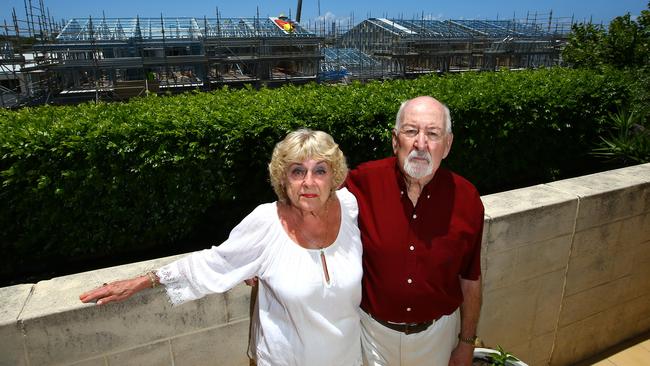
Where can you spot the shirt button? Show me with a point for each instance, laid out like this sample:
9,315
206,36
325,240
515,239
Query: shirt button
412,247
408,309
409,280
415,216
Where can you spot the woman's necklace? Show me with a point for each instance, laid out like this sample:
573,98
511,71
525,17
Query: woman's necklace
319,243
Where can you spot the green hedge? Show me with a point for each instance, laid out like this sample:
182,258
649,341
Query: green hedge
96,179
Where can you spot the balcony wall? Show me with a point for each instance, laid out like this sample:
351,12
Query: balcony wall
566,269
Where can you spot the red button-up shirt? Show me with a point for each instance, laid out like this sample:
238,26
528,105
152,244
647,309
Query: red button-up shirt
414,257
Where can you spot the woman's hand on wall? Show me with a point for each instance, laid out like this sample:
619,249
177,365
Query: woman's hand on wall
116,291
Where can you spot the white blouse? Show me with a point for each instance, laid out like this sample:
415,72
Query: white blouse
299,318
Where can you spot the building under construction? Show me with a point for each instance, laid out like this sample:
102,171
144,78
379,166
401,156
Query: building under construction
411,47
118,58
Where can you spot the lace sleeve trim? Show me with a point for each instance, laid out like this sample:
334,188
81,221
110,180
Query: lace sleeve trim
179,289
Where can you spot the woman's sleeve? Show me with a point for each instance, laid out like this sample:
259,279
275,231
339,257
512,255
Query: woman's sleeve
222,267
348,203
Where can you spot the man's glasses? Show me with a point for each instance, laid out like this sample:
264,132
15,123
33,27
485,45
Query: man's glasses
429,134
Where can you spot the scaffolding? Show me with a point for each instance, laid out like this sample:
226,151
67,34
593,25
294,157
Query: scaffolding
42,61
344,64
24,77
408,47
118,58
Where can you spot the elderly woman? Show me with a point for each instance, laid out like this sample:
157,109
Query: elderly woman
306,251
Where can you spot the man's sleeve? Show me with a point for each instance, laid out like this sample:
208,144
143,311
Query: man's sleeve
472,268
351,182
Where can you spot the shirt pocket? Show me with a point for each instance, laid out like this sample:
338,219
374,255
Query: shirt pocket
444,257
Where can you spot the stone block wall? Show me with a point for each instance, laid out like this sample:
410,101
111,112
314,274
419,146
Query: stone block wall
566,272
566,266
46,324
607,287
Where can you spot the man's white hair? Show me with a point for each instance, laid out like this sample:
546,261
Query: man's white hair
400,115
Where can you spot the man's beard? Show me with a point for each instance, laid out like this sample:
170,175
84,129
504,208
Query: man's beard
418,169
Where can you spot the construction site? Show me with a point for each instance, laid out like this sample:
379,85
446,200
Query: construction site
112,59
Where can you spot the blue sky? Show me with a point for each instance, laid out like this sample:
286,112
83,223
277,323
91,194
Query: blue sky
597,10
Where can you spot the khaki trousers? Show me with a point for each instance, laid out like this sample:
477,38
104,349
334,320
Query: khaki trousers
386,347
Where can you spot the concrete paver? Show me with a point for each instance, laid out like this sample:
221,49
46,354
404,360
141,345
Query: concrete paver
635,352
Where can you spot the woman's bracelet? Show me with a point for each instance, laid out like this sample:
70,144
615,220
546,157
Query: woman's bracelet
153,279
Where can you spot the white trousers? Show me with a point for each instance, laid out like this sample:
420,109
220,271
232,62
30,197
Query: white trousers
386,347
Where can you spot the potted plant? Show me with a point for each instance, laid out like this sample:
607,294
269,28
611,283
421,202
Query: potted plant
495,357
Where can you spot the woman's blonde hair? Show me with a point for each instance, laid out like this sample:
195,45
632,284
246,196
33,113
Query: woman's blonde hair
301,145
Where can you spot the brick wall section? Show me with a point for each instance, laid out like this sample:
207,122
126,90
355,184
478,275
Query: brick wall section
566,270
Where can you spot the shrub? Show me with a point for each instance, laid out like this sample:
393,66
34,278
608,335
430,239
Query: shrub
629,143
105,179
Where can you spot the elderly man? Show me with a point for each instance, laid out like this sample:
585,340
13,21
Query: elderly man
421,228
